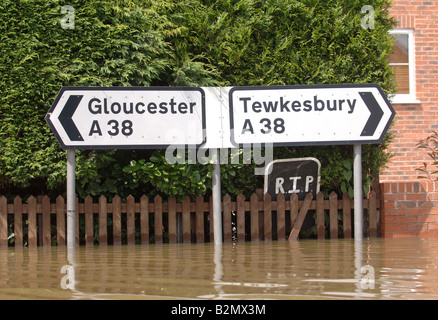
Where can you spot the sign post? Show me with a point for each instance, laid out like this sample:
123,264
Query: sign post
115,117
357,181
313,115
71,198
216,195
159,117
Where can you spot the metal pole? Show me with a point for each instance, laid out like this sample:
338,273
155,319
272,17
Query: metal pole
357,176
358,263
71,199
216,190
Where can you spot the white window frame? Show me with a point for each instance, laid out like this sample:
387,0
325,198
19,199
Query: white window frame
411,96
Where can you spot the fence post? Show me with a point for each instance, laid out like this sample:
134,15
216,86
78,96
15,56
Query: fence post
199,219
254,204
76,236
117,220
3,221
18,221
47,241
103,220
171,205
60,221
158,219
88,204
211,216
130,219
346,215
144,219
267,211
227,218
320,228
186,220
240,217
333,204
32,218
281,219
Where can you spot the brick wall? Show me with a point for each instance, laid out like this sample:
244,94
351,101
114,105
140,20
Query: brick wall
409,209
412,124
415,121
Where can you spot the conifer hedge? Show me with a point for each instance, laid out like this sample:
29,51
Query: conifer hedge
186,43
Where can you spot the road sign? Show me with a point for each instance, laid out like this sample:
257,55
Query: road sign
128,117
292,176
309,115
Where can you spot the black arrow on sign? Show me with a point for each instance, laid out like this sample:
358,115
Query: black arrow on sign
66,115
375,116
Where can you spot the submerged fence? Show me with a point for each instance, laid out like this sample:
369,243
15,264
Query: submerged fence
42,223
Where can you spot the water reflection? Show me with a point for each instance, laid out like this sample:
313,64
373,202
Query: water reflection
310,269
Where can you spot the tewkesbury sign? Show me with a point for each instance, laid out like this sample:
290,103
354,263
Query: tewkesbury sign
219,117
329,114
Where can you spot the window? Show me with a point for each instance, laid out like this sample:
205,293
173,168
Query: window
401,60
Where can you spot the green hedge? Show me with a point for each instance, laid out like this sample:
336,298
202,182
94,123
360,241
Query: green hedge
188,42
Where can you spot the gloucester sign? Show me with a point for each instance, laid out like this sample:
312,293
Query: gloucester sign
134,117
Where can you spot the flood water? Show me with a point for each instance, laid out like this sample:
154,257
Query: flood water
308,269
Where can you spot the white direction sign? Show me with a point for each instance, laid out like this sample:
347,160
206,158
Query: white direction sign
306,115
128,117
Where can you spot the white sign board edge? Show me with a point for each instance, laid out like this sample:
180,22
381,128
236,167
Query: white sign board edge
100,127
252,124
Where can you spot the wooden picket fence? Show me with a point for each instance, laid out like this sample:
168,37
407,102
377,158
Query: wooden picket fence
43,223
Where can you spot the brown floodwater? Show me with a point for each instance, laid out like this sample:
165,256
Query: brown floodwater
308,269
